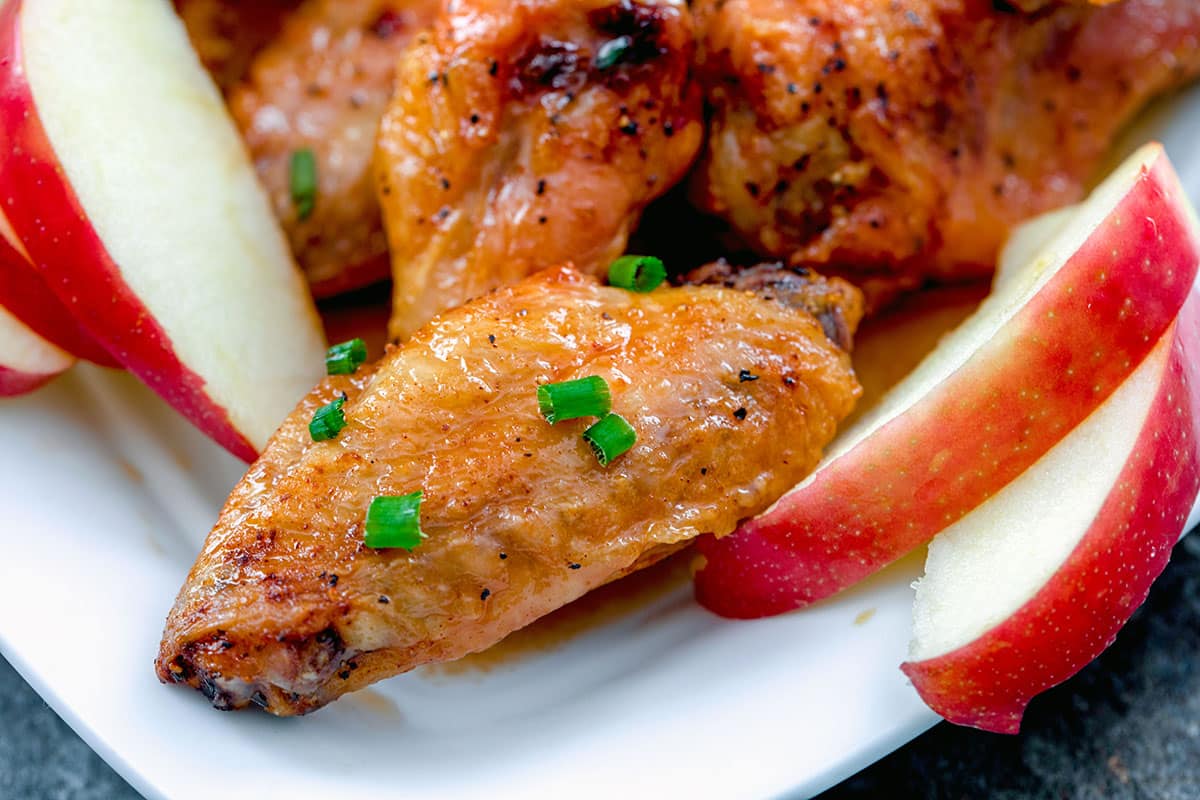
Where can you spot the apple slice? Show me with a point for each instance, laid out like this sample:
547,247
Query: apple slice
1029,587
1028,239
26,297
26,360
1040,354
127,182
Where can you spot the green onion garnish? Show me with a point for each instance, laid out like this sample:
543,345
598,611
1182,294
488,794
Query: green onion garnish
304,183
613,52
610,437
394,522
329,420
586,397
345,358
637,273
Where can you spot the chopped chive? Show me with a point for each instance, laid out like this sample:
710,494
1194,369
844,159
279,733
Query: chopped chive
637,273
304,183
394,522
329,420
586,397
345,358
613,52
609,438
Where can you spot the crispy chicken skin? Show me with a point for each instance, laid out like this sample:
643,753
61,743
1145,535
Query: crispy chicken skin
323,85
732,395
528,133
899,141
836,304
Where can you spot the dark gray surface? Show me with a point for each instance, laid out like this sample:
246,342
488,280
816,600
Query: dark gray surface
1126,727
40,758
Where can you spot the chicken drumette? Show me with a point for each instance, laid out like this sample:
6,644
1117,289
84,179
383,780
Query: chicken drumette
530,133
900,141
322,86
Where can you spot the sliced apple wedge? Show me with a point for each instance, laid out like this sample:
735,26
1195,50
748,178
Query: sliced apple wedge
1042,352
26,360
25,296
1029,587
126,181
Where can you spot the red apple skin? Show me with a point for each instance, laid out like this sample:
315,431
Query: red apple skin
15,382
25,295
1055,361
988,682
75,263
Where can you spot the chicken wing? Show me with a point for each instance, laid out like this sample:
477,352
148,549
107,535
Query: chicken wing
900,141
526,134
323,85
732,397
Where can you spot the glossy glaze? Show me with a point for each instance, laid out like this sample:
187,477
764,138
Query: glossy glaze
287,609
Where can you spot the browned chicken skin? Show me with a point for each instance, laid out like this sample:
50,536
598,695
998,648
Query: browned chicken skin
836,304
900,141
323,85
733,396
529,133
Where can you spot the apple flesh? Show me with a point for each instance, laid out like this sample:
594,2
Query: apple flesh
1029,587
126,181
1042,352
27,361
25,296
1029,239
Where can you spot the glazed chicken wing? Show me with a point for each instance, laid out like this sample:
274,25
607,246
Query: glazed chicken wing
732,395
900,141
323,85
529,133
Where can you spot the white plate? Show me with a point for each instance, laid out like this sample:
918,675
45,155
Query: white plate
107,496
